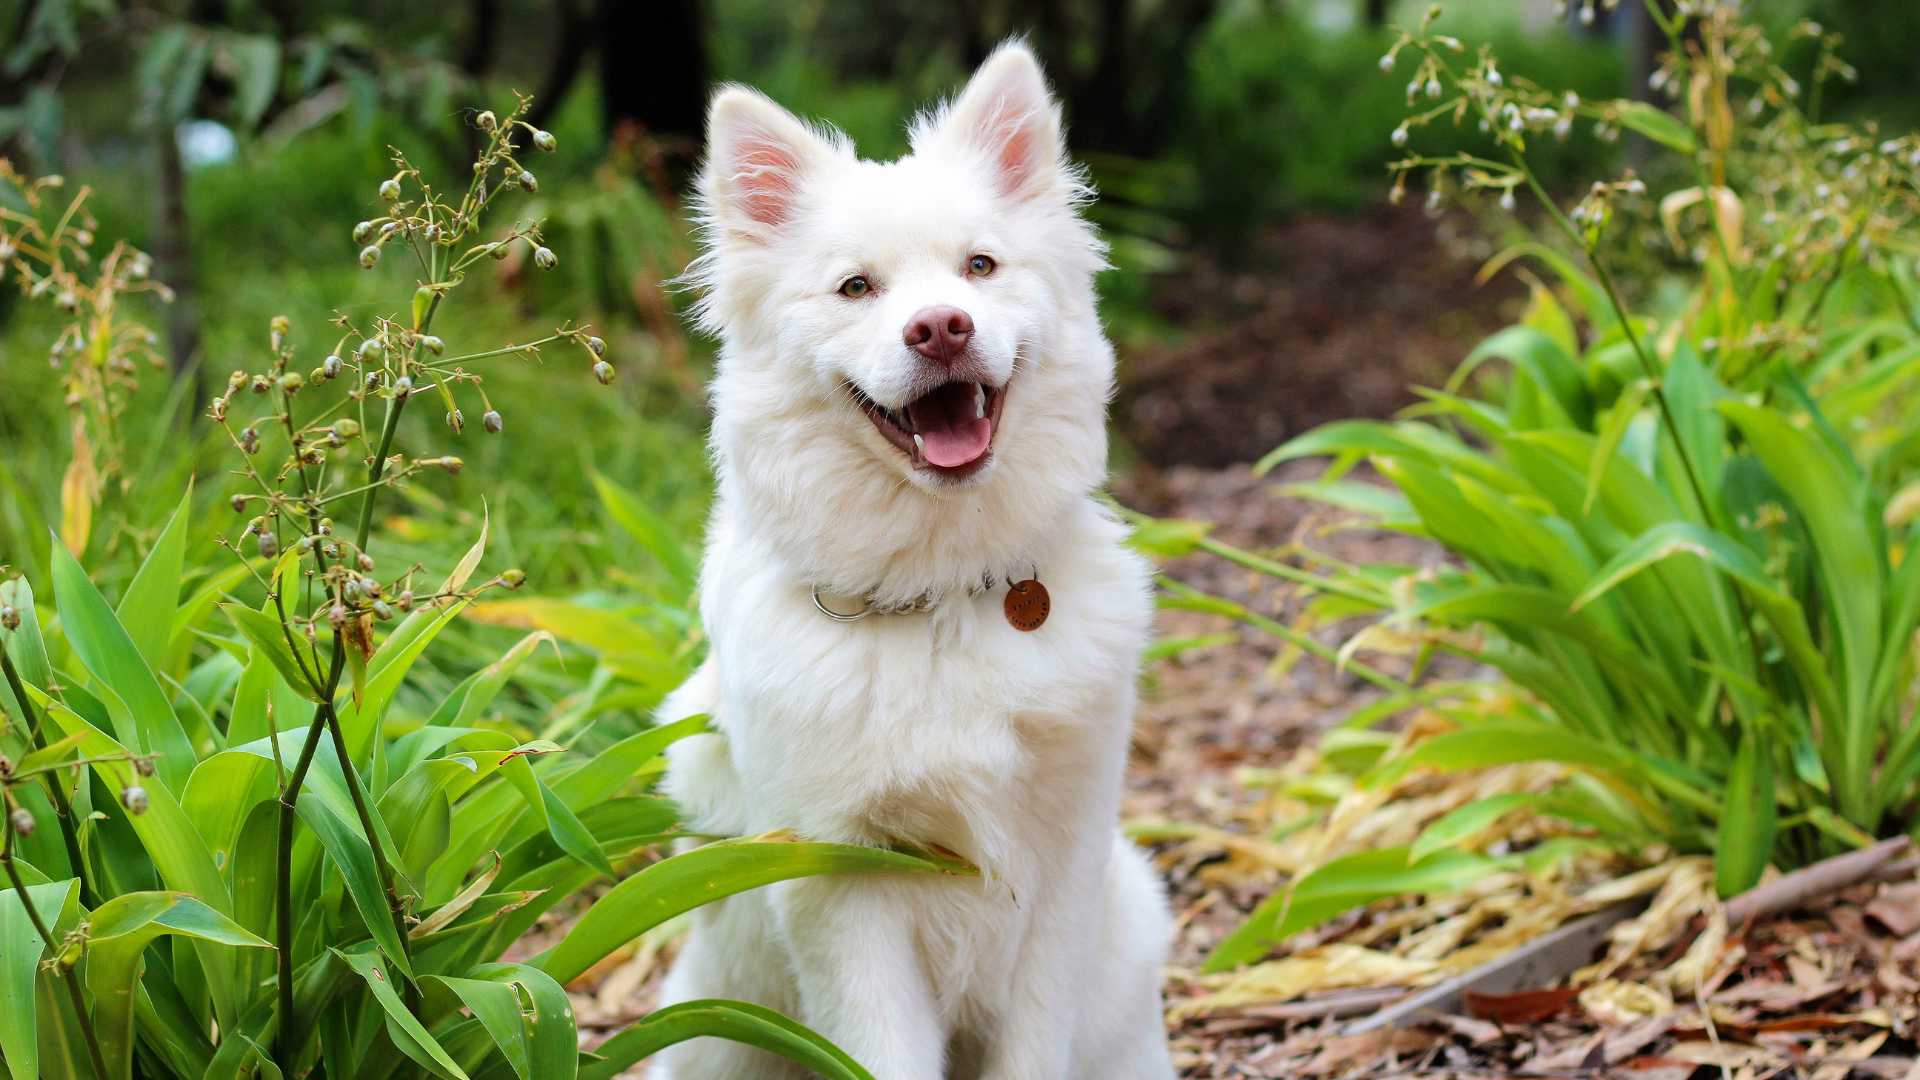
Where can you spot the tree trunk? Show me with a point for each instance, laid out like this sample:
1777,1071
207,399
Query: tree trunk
653,73
172,256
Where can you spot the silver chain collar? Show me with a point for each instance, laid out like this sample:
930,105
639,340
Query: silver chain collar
919,605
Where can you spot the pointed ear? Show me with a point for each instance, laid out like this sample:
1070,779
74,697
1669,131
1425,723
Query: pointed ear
1006,114
758,155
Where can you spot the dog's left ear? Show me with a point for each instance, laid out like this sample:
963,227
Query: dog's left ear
1006,114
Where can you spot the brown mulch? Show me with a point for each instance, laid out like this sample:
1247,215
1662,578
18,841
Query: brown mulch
1329,317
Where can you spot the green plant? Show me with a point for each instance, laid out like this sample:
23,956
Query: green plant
1688,540
229,853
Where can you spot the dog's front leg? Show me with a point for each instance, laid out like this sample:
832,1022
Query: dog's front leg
1050,985
862,983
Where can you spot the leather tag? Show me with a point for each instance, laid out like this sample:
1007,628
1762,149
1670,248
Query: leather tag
1027,604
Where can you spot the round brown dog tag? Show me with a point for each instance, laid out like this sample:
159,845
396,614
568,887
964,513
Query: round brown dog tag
1028,604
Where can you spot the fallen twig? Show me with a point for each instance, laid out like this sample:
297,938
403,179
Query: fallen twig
1829,875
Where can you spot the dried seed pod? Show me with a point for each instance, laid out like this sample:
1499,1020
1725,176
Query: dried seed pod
544,141
143,766
491,422
9,617
382,609
330,367
405,600
486,120
249,440
596,346
218,408
527,181
457,420
239,504
262,384
269,545
544,258
369,255
134,798
364,561
363,232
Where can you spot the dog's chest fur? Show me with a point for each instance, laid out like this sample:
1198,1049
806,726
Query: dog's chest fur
949,727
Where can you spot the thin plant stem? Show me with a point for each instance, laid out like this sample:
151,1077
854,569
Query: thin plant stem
62,807
71,978
357,792
1647,365
289,1037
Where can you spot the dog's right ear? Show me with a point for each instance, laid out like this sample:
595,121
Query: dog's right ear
758,155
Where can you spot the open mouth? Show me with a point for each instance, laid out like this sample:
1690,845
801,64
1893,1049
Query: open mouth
947,430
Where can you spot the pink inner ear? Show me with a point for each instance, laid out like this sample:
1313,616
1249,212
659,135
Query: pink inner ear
1016,158
1010,132
764,178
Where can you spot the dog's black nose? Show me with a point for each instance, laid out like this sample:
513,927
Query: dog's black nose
939,333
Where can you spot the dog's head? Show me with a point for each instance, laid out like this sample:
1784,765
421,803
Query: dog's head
920,331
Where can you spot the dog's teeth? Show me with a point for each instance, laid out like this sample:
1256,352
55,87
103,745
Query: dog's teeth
979,401
920,444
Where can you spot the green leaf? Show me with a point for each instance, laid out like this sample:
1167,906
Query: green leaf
256,62
1850,553
1656,124
546,1017
412,1039
166,833
739,1021
497,1007
1465,822
118,932
1168,538
1506,743
1342,885
1748,817
1626,408
142,712
268,635
705,874
388,670
1534,353
658,535
25,645
147,608
353,857
557,818
20,953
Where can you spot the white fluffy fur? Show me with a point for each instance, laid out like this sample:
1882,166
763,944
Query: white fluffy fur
948,727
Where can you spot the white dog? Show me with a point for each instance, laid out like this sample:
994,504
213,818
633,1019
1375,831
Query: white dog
909,423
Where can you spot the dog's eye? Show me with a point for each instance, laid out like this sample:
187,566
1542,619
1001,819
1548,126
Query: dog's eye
855,287
980,266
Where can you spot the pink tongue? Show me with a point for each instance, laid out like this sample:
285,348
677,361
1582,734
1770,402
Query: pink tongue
952,437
